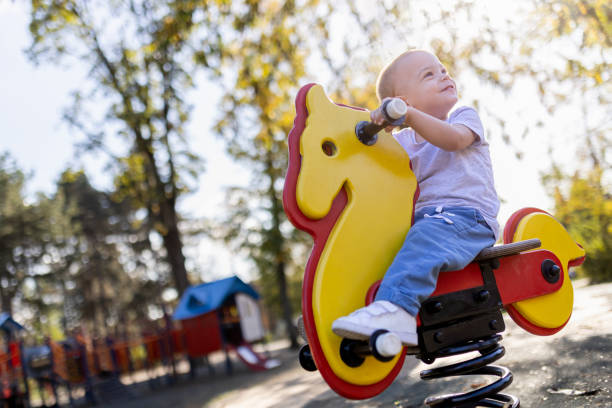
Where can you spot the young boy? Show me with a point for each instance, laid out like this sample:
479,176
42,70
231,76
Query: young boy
456,210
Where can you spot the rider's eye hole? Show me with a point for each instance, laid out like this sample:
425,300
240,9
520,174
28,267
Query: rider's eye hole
329,148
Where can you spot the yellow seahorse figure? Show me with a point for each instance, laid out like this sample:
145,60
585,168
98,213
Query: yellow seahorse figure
369,231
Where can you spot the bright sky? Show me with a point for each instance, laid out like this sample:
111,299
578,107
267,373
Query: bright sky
31,129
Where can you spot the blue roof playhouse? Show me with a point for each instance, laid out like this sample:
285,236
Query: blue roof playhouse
200,299
223,314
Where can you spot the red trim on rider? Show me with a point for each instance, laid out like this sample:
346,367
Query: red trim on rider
371,293
530,327
577,261
513,221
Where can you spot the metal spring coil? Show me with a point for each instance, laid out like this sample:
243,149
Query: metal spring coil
488,396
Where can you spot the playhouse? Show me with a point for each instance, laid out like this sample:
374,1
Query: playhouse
223,314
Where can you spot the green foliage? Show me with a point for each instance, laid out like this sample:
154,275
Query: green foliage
96,275
584,206
95,266
23,233
592,17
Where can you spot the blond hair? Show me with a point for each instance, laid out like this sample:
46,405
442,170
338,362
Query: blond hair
384,83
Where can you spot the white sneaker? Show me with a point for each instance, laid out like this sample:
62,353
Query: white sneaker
381,314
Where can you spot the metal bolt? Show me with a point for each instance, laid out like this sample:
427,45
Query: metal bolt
550,271
494,325
482,296
434,307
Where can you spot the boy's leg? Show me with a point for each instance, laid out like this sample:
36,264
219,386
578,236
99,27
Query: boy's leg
439,240
443,240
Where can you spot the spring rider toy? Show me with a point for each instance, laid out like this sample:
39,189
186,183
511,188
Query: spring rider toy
354,191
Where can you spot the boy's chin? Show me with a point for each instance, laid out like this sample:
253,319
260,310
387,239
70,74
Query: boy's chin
451,103
445,110
452,100
441,109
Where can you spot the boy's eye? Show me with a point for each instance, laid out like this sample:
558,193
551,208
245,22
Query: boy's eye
429,73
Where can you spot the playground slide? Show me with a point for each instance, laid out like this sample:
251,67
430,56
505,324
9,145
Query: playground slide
252,359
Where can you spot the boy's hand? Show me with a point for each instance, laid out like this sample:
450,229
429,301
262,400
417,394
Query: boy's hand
405,99
377,116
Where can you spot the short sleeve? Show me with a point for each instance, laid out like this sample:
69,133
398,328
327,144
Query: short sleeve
468,117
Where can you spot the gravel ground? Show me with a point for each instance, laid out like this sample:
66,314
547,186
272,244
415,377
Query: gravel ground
572,368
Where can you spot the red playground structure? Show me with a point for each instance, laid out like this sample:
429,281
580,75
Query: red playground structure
223,314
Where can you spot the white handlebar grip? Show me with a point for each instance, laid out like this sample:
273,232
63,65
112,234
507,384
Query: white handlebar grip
396,108
388,344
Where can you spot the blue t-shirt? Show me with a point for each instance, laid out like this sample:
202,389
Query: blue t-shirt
460,178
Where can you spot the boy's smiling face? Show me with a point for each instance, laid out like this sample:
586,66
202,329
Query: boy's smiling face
424,83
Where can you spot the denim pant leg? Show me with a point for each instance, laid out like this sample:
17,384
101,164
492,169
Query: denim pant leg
445,240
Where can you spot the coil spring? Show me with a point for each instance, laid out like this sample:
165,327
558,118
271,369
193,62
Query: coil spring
488,396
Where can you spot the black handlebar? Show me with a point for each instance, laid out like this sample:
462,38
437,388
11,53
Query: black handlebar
367,132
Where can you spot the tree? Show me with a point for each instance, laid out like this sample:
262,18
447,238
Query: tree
584,206
100,286
22,233
141,55
96,264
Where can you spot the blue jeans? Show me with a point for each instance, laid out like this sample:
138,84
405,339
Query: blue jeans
441,239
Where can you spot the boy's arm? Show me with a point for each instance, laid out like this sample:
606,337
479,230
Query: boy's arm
450,137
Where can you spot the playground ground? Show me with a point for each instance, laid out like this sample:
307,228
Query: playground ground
570,369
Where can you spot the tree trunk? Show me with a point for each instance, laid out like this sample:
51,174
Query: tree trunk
6,301
286,305
174,249
281,278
